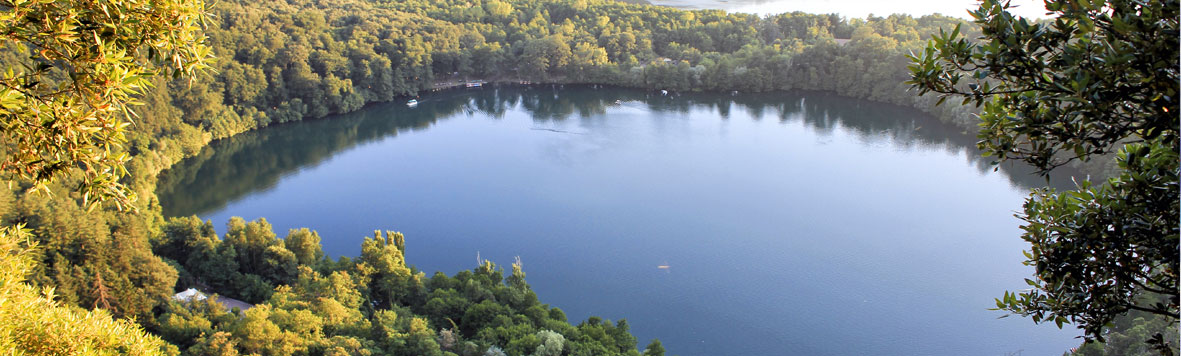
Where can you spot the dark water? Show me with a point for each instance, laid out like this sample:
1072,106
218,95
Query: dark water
792,224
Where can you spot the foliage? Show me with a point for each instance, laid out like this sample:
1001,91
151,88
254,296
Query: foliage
71,70
1131,335
64,105
376,305
654,348
1100,77
246,265
35,324
83,253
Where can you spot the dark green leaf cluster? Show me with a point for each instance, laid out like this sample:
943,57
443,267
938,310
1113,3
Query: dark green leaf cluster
247,265
1101,77
1100,250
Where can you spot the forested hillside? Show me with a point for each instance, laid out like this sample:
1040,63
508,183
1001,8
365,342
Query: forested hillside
284,61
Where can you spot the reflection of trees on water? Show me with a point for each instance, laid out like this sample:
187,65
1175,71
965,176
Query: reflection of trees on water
232,168
824,113
869,121
909,128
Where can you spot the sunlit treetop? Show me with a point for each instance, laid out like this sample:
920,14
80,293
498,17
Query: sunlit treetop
66,105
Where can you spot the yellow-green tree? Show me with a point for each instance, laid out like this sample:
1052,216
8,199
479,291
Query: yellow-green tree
35,324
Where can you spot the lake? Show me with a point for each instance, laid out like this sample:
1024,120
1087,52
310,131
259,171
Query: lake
855,8
790,223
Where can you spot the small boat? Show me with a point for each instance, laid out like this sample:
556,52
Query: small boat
412,103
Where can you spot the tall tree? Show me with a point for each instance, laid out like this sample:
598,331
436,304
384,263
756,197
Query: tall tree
1101,77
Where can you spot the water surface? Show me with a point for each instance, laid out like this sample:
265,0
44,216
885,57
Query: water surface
855,8
792,224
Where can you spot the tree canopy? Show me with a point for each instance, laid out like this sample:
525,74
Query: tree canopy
372,305
1101,77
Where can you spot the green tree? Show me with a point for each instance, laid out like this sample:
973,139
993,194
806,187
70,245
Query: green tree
1129,335
34,323
66,105
383,262
259,333
184,323
260,252
220,343
654,348
306,246
551,343
545,55
1101,77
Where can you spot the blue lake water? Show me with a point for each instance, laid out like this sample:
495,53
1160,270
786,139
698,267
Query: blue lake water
791,224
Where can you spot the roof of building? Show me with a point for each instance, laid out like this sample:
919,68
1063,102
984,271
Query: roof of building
189,294
192,294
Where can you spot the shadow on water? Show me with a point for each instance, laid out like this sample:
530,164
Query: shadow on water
233,168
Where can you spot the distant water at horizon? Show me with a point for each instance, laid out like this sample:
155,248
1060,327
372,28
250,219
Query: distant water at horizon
853,8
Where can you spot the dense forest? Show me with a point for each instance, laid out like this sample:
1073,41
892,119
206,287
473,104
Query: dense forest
285,61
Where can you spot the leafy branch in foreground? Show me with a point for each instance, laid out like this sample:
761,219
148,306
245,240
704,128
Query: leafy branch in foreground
66,105
1101,77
